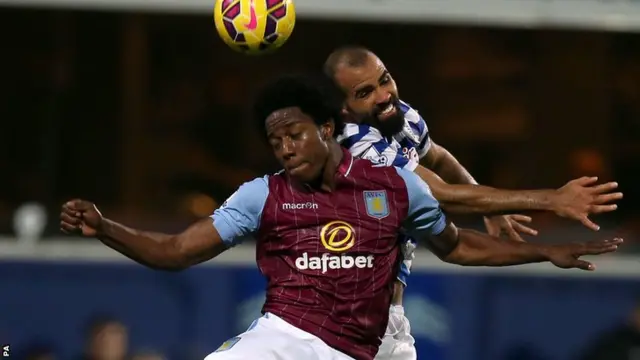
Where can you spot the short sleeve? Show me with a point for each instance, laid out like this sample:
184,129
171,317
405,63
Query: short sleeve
239,216
425,217
366,142
418,127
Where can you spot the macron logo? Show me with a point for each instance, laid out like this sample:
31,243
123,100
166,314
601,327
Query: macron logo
299,206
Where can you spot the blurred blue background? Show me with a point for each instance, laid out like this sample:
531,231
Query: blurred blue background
454,315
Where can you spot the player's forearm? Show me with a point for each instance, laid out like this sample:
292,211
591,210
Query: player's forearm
478,249
155,250
398,293
447,166
468,197
478,199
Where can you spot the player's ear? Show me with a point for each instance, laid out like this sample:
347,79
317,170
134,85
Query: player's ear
327,130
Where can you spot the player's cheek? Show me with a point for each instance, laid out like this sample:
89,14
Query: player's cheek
371,108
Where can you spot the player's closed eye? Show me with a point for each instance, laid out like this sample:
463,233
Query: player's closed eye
363,94
275,144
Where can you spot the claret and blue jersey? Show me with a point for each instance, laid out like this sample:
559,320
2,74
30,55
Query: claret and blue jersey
330,257
403,150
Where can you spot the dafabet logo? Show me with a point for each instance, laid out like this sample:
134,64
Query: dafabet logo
336,236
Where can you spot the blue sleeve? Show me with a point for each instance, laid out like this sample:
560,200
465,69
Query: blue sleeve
239,216
425,217
419,128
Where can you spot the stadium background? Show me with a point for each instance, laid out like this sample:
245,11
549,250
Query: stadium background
139,106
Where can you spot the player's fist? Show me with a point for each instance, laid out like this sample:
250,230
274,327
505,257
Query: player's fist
580,197
80,217
567,256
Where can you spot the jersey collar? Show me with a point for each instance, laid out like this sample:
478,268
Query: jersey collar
344,168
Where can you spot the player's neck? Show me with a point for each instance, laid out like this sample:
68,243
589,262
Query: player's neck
331,168
327,180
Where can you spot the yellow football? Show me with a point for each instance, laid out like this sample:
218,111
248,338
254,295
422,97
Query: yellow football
254,26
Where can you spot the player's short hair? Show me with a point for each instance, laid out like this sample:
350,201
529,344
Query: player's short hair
316,96
352,56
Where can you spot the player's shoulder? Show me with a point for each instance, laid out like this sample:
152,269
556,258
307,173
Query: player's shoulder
354,133
351,129
379,174
415,126
414,184
255,189
406,175
275,179
410,113
258,182
396,178
411,116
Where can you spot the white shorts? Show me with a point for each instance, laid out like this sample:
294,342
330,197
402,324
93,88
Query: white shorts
272,338
397,343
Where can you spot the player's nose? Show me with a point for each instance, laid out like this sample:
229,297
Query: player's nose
288,149
382,96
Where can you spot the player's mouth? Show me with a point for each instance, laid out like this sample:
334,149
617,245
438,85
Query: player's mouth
293,170
388,111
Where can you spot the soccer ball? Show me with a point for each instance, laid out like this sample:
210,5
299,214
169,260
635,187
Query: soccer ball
254,26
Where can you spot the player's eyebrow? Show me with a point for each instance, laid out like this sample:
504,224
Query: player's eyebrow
385,73
365,87
368,87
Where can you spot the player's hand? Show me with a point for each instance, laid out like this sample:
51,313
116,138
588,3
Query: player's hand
581,197
509,225
80,217
567,256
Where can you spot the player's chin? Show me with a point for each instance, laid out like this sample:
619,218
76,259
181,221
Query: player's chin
395,117
302,172
391,125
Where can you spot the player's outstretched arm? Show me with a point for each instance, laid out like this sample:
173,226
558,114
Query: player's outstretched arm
471,248
575,200
427,223
203,240
198,243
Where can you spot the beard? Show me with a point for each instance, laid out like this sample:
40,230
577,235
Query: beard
389,126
